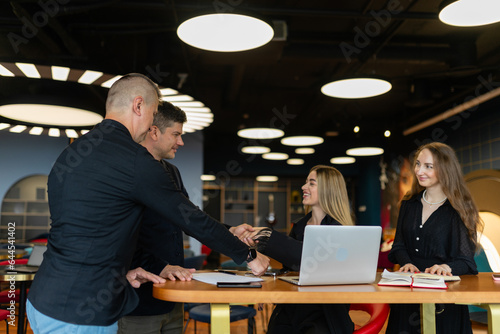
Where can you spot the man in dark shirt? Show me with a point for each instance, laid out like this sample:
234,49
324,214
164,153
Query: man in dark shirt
98,189
154,315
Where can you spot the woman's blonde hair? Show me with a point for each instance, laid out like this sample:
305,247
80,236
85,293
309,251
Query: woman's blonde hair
332,194
450,177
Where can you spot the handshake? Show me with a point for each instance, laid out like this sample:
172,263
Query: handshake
254,237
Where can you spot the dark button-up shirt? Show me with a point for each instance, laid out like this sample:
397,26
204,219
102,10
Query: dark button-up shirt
98,189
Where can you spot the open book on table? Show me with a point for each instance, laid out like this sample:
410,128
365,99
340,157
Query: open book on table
416,280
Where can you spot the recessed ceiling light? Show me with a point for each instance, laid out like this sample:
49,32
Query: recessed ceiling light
177,98
84,132
88,77
295,161
5,72
168,91
267,178
365,151
356,129
50,115
356,88
302,140
206,177
196,104
260,133
387,133
4,126
304,150
110,82
53,132
255,149
18,128
342,160
70,133
225,32
471,13
275,156
29,70
60,73
36,131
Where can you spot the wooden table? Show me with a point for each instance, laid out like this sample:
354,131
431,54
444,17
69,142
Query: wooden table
479,290
23,279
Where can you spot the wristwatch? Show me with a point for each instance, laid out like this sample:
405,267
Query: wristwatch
252,255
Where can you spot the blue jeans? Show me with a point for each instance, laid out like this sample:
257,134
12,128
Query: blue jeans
42,324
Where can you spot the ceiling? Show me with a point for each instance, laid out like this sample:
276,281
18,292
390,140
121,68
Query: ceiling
432,66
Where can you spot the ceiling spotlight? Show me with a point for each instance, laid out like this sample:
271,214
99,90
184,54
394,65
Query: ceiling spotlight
206,177
342,160
365,151
302,141
356,129
275,156
260,133
255,149
267,178
225,32
356,88
387,133
295,161
470,13
304,150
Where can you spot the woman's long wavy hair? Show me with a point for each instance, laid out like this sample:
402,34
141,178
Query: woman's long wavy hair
452,182
332,194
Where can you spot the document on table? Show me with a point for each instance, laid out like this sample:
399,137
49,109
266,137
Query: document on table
213,278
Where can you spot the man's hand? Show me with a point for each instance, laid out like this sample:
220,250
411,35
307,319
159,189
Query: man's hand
138,276
259,264
409,268
237,231
439,269
183,274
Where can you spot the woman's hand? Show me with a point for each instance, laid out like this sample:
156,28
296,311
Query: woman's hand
439,269
409,268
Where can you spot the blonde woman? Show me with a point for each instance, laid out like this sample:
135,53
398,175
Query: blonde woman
326,201
436,233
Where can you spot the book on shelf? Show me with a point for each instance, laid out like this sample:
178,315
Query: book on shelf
416,280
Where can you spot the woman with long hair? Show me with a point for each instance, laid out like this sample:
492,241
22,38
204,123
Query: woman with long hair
326,202
436,233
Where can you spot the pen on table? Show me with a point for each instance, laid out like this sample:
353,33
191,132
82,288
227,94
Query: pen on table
226,272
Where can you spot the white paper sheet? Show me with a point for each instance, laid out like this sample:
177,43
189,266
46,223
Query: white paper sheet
213,278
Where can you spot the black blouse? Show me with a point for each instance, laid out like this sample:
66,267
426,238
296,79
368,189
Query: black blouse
443,239
288,249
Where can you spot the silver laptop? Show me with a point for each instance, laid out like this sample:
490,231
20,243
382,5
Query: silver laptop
338,255
34,261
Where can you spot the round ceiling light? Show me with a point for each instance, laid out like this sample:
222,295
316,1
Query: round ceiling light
267,178
302,141
356,88
207,177
365,151
225,32
255,149
275,156
260,133
295,161
304,150
342,160
471,13
50,115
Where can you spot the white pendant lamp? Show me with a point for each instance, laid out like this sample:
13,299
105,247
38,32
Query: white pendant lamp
225,32
356,88
471,13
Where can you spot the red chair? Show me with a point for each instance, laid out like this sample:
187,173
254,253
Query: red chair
16,261
4,314
378,315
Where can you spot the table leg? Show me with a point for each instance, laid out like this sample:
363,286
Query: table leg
219,315
428,318
493,317
22,308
